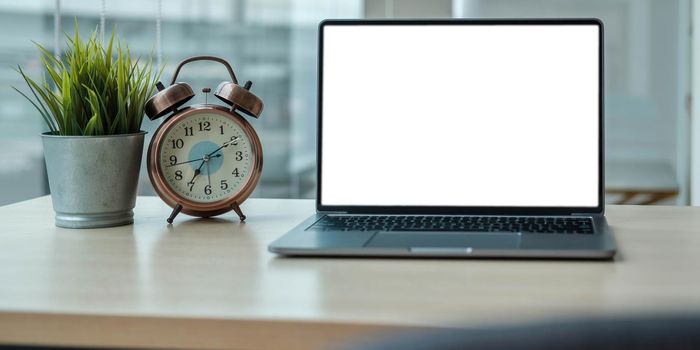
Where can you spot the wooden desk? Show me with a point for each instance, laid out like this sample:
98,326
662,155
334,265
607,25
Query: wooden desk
212,284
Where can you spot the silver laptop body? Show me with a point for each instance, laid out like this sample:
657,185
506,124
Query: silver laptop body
458,138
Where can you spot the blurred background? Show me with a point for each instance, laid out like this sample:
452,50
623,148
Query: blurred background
648,77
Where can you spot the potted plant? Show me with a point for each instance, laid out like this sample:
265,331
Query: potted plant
92,101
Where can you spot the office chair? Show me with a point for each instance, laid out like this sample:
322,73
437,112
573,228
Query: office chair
678,332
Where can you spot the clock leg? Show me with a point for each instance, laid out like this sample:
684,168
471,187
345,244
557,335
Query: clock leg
176,211
238,211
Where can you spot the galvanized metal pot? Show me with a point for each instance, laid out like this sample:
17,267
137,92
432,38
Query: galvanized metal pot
93,179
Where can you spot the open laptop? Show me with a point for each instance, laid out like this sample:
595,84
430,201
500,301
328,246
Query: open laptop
458,138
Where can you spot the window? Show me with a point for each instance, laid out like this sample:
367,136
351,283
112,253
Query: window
273,43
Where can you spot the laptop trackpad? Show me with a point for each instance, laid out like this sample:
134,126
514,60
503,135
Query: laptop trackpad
474,240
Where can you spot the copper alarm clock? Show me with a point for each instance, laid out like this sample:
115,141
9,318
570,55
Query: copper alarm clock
205,159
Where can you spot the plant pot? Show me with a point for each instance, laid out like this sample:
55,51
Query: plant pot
93,179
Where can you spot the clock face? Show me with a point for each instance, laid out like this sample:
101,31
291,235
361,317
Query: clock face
206,157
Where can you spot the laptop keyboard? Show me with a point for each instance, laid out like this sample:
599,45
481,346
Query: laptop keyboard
525,224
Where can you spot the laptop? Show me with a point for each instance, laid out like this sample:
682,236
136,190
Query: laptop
458,138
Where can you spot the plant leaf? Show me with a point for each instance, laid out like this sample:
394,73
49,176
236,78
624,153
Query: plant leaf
95,89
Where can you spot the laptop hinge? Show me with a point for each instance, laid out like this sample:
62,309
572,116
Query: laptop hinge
582,214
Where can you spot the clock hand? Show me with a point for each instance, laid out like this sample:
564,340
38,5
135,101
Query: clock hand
208,175
226,144
193,160
198,171
185,162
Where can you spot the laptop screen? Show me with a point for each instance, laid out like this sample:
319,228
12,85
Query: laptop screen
466,115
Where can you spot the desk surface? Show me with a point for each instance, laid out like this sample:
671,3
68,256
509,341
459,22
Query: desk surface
210,283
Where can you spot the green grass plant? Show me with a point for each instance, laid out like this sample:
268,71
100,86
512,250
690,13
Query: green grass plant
94,89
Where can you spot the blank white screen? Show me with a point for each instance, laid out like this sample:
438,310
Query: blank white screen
460,115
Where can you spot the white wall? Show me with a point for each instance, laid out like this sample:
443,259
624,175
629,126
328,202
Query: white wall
695,113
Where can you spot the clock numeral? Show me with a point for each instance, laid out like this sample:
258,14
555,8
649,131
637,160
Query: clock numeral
224,185
239,155
235,140
235,173
173,160
207,190
189,131
178,143
191,184
221,128
204,126
178,175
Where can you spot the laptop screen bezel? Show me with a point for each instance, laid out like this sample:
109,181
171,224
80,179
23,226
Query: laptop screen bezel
460,210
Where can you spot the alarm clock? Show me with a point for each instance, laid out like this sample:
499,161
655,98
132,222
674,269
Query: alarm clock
206,159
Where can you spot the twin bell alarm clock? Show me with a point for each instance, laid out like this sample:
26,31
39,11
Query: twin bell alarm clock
204,159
